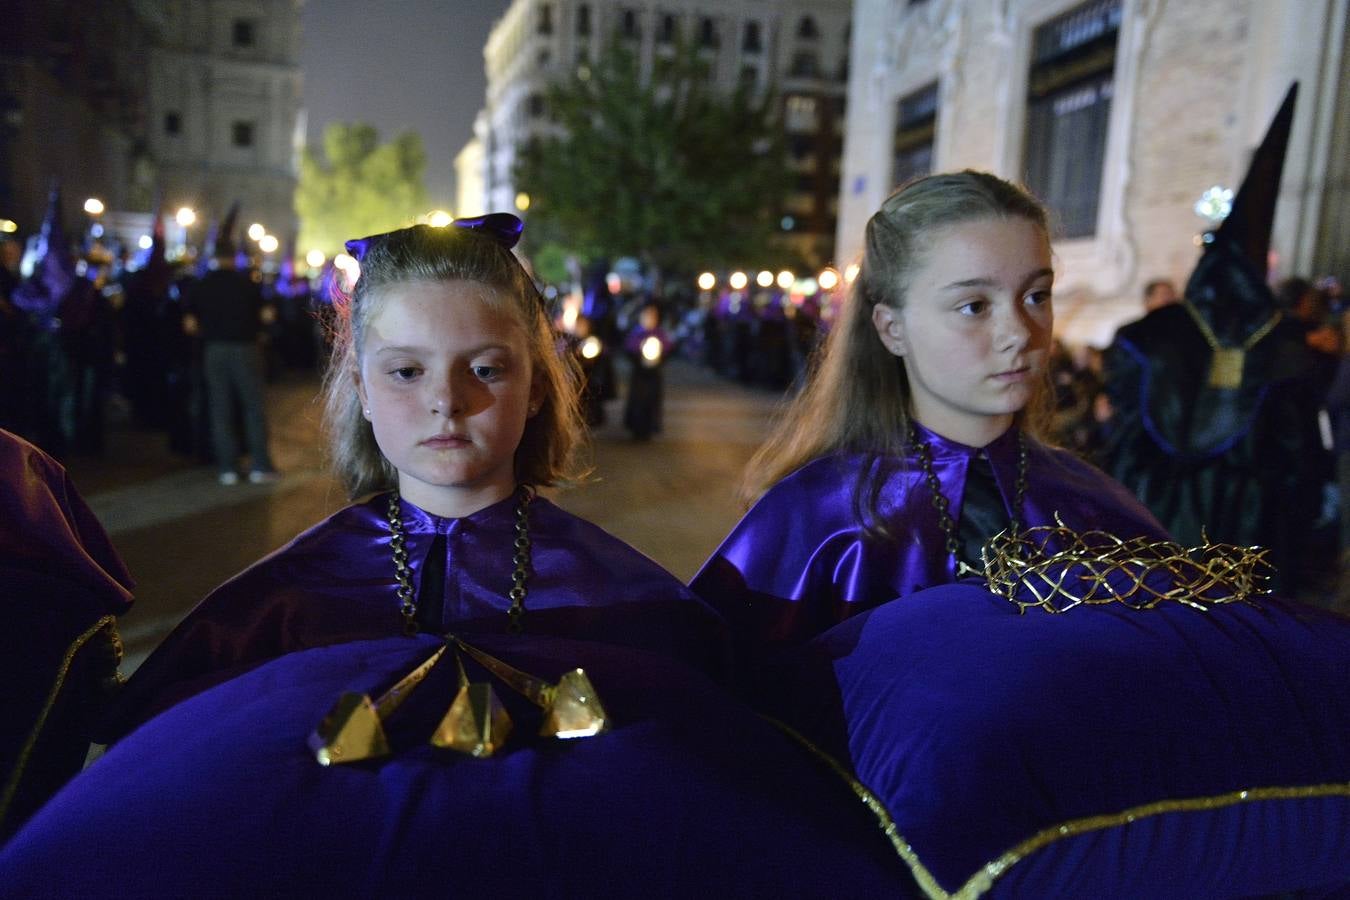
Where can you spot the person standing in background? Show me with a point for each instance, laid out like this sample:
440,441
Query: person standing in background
226,310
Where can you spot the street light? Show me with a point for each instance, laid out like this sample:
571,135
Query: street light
185,216
315,258
738,281
93,206
256,232
268,243
764,278
828,279
439,218
522,201
707,281
8,226
145,242
850,272
786,279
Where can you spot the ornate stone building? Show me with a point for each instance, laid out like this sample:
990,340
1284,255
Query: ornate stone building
1118,113
224,108
198,101
798,48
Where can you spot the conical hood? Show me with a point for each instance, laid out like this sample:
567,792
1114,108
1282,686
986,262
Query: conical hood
1249,224
158,272
224,243
53,267
1228,286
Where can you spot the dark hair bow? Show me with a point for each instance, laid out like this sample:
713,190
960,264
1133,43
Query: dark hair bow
502,229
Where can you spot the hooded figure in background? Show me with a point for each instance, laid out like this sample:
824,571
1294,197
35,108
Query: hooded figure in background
1214,410
44,299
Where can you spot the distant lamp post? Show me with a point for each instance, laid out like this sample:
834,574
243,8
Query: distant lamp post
764,278
185,217
850,272
8,226
268,243
439,218
590,348
522,201
738,281
145,242
256,232
786,279
1215,204
93,206
707,281
829,279
315,258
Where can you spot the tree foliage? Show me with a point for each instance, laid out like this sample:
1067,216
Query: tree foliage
358,186
666,169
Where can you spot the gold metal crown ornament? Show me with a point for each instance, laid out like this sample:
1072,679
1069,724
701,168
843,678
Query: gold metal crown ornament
1056,568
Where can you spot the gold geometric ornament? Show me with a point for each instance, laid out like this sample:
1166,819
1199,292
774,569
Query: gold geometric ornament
572,708
353,729
476,723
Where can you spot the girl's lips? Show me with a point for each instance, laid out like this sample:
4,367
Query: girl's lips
445,442
1013,374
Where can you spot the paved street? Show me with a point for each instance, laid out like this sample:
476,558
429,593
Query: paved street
181,533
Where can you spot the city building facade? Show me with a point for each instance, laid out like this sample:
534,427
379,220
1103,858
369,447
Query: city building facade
1119,114
796,48
73,106
224,99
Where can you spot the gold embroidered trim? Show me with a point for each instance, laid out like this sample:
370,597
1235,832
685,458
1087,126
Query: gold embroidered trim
1061,568
12,786
979,884
874,805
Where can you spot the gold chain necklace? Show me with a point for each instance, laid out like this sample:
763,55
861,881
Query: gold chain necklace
476,723
925,454
407,602
1225,367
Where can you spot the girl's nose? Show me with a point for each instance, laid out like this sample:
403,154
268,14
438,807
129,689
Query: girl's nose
1014,329
445,398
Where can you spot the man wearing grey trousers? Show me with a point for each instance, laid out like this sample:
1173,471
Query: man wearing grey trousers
226,310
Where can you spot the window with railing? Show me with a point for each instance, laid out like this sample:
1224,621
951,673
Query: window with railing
1071,83
915,130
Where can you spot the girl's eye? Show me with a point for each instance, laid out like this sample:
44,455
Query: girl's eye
1038,298
486,373
973,307
405,373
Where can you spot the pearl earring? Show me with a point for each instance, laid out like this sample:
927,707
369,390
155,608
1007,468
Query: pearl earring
367,412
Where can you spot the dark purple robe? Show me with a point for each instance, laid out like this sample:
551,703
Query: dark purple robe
336,582
60,577
800,562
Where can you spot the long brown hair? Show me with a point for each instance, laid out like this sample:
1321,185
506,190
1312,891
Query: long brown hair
857,398
548,448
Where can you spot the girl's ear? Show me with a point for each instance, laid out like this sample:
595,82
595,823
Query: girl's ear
886,320
360,391
536,395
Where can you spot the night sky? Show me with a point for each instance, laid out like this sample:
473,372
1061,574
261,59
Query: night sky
400,65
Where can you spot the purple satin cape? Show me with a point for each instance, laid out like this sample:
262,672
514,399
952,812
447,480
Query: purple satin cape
46,528
800,562
689,794
336,582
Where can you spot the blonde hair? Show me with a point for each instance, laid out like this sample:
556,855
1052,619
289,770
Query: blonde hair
857,398
547,451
